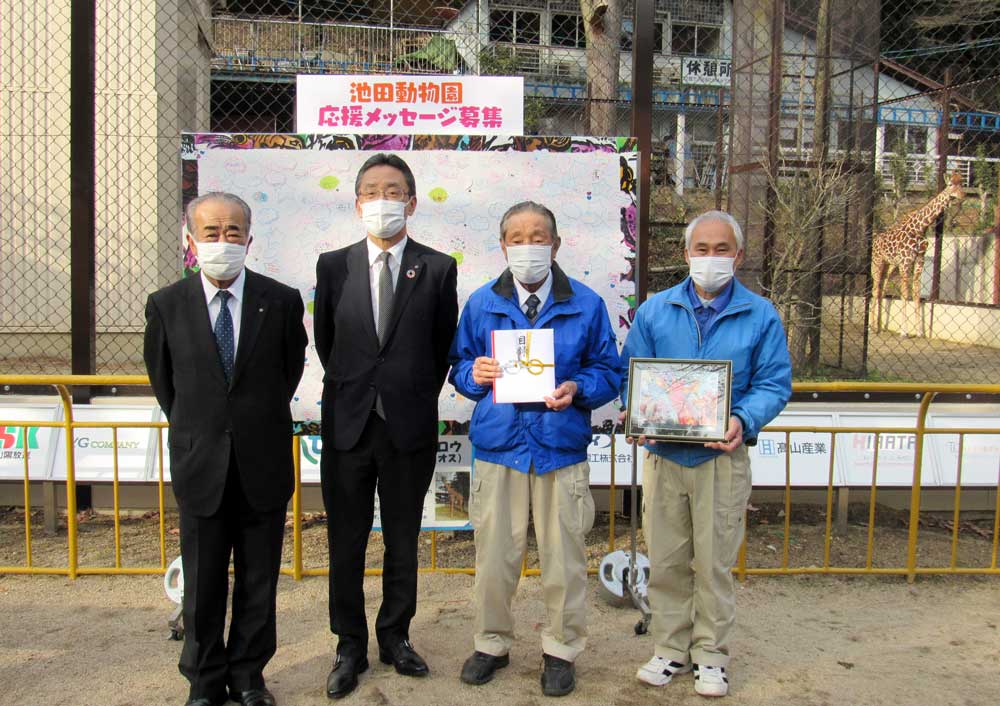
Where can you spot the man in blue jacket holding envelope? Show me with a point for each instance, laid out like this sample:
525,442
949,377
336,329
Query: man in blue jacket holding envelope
695,495
533,453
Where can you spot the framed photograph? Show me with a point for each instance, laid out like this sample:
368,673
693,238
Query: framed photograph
679,400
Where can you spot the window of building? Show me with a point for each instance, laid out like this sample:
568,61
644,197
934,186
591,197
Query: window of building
626,38
515,26
696,40
915,138
568,31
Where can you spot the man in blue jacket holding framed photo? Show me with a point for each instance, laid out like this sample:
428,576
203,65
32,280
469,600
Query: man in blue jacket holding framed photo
533,453
695,495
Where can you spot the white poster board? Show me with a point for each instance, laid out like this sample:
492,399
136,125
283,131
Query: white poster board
301,190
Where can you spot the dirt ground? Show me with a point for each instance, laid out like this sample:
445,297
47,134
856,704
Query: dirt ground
799,640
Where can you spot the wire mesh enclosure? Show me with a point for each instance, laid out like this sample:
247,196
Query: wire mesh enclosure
857,142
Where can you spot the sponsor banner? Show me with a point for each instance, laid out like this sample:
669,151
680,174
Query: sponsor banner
896,452
809,452
604,456
980,452
446,505
37,444
410,105
94,449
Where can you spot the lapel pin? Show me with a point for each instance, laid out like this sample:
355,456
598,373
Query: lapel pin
411,273
261,310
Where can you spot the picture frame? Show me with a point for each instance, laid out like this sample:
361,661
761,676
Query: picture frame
686,401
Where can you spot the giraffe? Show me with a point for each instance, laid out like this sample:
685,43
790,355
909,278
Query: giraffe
902,245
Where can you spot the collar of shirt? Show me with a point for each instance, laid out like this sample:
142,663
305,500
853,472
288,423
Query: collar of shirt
236,288
542,292
396,251
720,302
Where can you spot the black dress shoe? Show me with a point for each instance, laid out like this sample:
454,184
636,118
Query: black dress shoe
558,676
404,658
344,676
253,697
481,667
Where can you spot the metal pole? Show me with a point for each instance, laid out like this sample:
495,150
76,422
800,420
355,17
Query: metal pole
942,167
773,123
869,200
719,159
642,129
996,247
82,135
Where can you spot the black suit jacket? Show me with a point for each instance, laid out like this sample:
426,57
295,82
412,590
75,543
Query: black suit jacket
409,370
209,418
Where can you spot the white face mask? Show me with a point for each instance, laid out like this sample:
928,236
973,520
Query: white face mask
712,273
383,218
530,264
221,261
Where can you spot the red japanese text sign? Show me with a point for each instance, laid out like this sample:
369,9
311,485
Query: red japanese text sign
423,105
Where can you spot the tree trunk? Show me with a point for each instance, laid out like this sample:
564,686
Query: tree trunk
602,21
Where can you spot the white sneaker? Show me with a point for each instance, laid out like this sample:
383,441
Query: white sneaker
710,681
659,671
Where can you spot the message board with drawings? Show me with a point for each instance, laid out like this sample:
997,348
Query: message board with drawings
301,191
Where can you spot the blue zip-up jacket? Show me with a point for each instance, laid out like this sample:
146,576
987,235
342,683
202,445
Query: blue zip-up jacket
519,435
747,332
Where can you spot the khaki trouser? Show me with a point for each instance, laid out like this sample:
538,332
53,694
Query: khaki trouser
563,512
693,521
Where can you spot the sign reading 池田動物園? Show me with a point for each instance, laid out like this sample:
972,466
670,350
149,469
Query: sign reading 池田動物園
416,105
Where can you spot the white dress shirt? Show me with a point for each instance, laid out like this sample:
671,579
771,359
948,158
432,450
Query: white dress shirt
375,268
542,293
235,303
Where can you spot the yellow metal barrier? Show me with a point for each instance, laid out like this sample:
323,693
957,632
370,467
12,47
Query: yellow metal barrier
925,392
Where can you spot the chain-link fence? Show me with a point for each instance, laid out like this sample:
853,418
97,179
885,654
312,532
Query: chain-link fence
819,123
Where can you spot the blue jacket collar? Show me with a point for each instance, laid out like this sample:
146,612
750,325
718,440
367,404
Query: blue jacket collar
561,288
741,297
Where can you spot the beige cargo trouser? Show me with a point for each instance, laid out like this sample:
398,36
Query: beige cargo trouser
693,521
563,512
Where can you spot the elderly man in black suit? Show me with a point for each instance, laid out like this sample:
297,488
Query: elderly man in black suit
385,313
225,351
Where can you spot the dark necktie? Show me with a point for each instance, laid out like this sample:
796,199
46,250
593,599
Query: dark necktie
385,294
532,303
224,338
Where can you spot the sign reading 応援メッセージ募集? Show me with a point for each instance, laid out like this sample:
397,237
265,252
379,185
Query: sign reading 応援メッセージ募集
423,105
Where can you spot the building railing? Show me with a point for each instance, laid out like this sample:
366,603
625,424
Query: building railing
282,46
926,394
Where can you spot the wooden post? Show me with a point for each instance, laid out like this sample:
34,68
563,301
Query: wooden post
50,507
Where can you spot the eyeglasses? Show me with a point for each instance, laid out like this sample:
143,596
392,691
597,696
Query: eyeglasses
392,193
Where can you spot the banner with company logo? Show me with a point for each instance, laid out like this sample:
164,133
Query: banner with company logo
36,444
409,105
446,505
93,449
980,453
